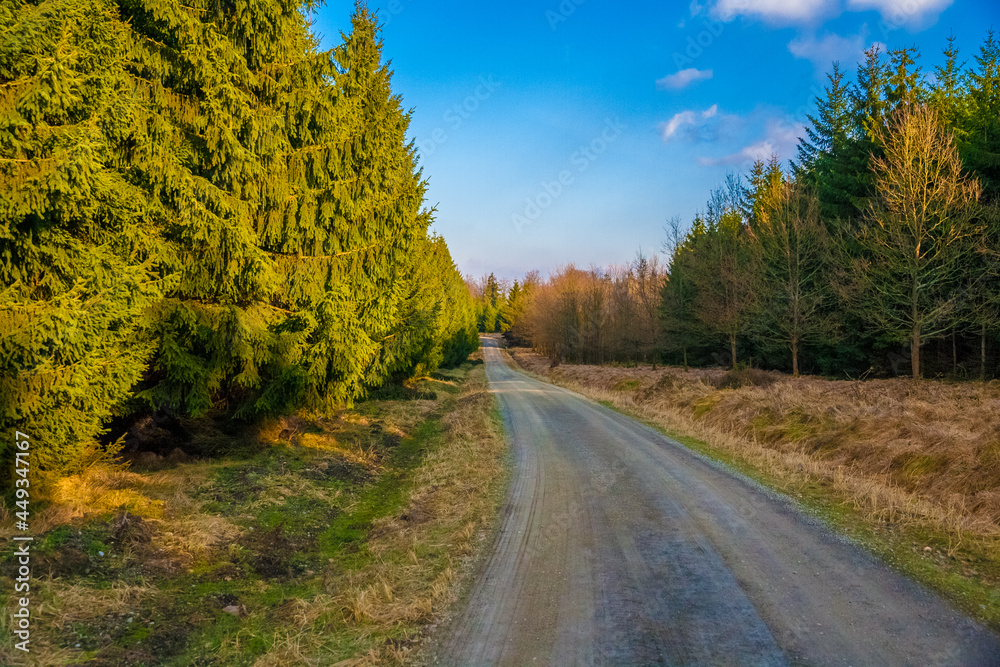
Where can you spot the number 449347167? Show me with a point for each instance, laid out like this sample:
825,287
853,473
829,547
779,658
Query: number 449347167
22,482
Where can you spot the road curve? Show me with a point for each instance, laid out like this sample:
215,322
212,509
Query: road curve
619,546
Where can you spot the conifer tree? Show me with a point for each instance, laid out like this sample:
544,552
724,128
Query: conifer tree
79,263
948,95
437,323
513,307
725,278
515,313
490,305
209,153
825,157
765,191
981,135
794,280
903,82
201,207
679,326
868,116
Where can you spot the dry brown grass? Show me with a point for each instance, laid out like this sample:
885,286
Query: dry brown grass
902,452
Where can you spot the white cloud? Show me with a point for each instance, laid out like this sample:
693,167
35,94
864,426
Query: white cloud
683,78
823,51
669,129
686,123
781,138
775,11
912,14
903,13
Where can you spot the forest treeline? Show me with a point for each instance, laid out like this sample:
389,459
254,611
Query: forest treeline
876,250
203,213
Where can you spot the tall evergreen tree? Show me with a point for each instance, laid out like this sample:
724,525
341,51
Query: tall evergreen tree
515,315
869,109
981,136
79,262
794,280
824,158
903,82
948,95
200,206
209,153
765,191
358,183
437,324
680,329
724,277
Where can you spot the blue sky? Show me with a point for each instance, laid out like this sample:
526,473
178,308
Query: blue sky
570,130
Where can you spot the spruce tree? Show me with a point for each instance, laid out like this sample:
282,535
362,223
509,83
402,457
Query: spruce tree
948,95
79,258
869,109
680,329
981,136
208,153
903,81
825,157
437,323
794,288
725,278
201,209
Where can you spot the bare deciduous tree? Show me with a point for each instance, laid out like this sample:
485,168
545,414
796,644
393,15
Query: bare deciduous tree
920,229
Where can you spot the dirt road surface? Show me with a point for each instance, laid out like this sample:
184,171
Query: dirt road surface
619,546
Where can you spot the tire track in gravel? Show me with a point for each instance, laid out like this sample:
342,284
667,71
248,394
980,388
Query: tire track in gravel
620,546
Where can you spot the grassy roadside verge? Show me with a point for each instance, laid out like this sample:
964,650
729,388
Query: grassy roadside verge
328,542
942,540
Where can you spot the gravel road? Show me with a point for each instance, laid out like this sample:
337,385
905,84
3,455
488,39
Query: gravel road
619,546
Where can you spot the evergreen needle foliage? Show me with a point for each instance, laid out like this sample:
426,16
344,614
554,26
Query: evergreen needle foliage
201,212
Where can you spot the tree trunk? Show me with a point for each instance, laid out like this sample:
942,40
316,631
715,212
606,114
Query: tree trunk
982,354
686,358
915,340
954,353
732,347
795,358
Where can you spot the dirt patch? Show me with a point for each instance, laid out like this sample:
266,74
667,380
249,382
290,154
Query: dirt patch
130,531
237,484
338,468
269,553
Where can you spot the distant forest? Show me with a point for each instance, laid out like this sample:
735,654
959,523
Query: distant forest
876,251
203,214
